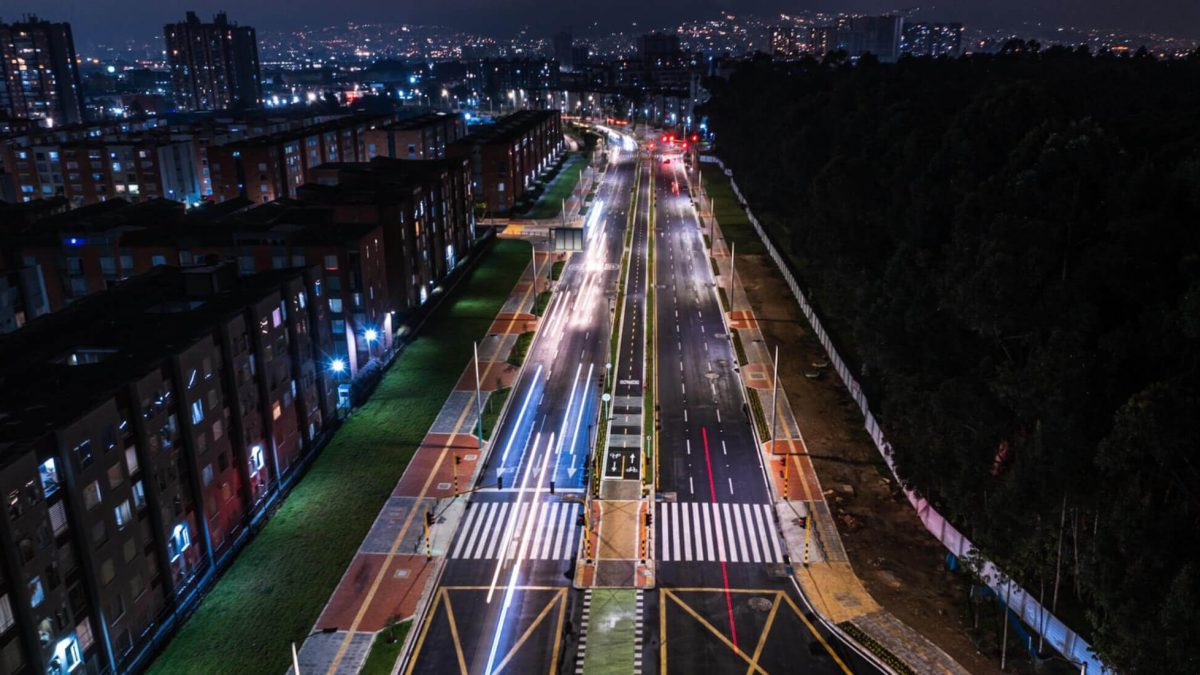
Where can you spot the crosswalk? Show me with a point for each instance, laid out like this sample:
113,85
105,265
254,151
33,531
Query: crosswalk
489,524
704,531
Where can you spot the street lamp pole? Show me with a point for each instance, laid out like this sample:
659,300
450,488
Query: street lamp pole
478,397
732,271
774,399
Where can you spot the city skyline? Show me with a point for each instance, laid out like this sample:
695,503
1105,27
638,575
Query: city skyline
509,18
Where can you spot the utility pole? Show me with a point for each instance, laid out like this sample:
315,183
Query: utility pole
732,271
295,659
533,253
478,396
775,399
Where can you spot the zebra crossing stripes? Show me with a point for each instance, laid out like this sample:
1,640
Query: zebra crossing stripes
711,532
487,524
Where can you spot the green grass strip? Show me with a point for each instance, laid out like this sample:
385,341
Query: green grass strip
760,418
491,410
517,356
891,660
274,591
739,348
385,651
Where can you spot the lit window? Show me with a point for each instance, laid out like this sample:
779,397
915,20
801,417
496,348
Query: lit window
48,472
123,514
91,494
276,411
36,593
197,411
256,458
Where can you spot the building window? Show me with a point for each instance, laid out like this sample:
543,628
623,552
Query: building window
331,262
107,572
178,542
335,305
276,317
83,452
99,534
197,411
206,475
218,430
256,459
6,614
36,593
139,496
48,472
158,260
276,411
58,518
115,476
131,460
123,514
91,494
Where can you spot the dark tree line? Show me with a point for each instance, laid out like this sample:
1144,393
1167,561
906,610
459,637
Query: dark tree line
1008,248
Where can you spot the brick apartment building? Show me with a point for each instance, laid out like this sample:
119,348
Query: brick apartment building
272,166
152,158
424,208
506,156
142,430
88,250
421,137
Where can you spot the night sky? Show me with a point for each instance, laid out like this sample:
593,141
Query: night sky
115,20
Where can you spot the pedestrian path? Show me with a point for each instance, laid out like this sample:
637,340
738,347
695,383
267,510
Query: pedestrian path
489,524
714,532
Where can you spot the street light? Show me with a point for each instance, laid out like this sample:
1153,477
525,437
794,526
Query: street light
371,335
337,366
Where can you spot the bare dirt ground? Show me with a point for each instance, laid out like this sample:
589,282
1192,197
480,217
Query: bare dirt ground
902,565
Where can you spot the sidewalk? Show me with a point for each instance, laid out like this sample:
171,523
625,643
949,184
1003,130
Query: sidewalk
393,569
828,580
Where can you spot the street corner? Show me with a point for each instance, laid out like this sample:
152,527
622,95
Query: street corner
513,323
757,376
377,587
741,319
439,464
794,475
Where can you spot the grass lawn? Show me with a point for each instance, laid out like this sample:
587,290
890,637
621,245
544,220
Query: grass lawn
491,410
540,303
383,654
275,589
517,356
730,217
560,189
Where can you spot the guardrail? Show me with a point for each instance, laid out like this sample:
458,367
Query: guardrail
1020,601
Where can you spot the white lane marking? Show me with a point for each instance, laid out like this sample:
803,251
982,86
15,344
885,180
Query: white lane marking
685,419
743,535
749,512
771,533
730,479
687,534
467,530
688,441
563,524
691,486
724,450
546,536
720,533
664,531
718,415
494,509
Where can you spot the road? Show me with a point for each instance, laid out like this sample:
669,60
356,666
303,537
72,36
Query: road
724,602
504,598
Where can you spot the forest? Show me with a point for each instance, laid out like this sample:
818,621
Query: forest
1007,249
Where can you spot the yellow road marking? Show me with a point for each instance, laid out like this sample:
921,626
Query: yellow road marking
558,631
529,631
812,629
458,650
370,596
424,630
662,631
762,639
712,629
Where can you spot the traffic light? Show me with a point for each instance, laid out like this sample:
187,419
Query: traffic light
695,138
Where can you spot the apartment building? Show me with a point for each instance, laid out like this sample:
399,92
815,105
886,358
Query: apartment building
422,137
506,156
141,431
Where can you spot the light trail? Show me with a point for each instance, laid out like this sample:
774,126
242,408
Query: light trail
520,416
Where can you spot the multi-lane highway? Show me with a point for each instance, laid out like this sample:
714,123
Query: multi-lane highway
725,602
503,600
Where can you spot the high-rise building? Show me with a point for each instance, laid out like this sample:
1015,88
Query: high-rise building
40,73
564,49
214,66
932,39
653,46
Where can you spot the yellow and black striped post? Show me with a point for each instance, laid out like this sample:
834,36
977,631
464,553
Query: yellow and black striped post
428,544
807,528
786,474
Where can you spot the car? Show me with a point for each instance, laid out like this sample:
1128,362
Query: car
667,160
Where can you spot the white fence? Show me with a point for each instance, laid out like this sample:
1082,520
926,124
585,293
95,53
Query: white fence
1022,603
